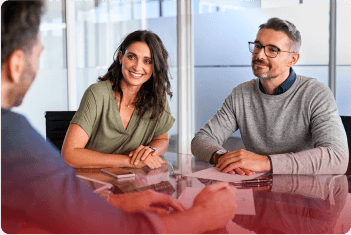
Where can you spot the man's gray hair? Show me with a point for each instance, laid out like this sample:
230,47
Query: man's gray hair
286,27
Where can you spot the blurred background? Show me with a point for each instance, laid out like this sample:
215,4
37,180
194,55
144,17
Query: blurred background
80,38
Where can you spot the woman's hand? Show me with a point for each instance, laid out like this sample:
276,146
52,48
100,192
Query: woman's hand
139,165
149,200
142,153
154,161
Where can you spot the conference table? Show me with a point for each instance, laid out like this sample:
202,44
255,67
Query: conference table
282,203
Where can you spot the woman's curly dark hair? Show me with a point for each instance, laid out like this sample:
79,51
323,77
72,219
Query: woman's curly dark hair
152,93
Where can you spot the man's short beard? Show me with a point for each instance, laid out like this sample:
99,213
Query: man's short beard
253,70
261,77
266,78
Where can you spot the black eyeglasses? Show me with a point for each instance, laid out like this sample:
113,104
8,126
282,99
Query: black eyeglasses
269,50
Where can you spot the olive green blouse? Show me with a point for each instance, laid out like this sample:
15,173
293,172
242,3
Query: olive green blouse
99,117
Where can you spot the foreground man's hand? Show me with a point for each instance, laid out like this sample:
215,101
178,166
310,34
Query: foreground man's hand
212,199
243,161
149,200
212,209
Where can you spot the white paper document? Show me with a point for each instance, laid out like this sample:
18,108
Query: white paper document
214,174
243,198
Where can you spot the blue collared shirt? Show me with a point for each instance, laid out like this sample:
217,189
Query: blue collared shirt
285,85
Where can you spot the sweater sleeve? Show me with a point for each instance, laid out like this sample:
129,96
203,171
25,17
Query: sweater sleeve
330,152
211,137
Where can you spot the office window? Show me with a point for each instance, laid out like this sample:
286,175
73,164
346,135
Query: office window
222,30
343,61
100,27
49,89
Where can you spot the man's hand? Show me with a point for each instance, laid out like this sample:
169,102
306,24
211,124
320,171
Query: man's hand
243,162
149,200
143,153
241,171
213,207
211,199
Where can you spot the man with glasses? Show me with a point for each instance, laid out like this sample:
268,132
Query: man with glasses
289,123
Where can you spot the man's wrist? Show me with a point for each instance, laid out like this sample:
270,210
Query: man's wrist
217,155
185,223
270,162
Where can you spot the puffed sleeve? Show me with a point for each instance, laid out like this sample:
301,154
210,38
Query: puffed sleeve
165,121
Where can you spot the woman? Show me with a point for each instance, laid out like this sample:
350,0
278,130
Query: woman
123,119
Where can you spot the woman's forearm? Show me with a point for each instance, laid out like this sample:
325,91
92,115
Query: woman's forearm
85,158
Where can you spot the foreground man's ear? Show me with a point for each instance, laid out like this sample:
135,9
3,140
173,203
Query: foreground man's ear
15,65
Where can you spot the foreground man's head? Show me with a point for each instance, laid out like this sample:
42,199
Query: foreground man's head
19,53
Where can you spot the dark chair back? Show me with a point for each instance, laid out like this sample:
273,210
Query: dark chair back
57,123
346,120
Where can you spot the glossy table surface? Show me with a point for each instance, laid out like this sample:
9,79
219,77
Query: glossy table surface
290,204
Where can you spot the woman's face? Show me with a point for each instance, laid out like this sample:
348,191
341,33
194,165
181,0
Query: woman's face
136,64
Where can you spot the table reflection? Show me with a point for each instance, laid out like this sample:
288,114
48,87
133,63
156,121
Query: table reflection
291,204
288,204
298,204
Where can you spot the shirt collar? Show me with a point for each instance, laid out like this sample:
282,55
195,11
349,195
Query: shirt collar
284,86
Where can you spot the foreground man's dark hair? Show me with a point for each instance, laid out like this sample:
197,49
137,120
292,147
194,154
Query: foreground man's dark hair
19,16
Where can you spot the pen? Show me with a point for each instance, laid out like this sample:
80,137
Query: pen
256,181
255,187
251,184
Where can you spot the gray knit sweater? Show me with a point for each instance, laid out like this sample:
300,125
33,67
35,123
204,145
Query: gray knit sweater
300,129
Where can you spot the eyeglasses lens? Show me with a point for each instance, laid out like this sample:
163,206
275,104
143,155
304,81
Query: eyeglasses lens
270,51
